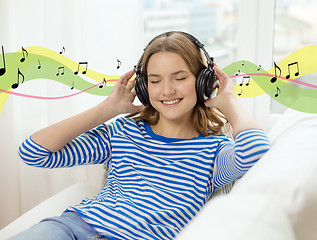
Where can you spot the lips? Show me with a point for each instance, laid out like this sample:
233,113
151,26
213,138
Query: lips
171,101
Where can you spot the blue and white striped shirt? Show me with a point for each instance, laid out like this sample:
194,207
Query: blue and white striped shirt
156,185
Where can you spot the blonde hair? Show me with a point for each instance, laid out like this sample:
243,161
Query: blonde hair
206,121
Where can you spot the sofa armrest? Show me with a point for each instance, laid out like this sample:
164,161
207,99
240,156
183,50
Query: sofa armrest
53,206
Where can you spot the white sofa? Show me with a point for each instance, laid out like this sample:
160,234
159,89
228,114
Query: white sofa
275,200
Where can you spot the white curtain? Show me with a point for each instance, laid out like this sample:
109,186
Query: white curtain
97,31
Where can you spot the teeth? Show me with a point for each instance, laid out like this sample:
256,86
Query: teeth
171,102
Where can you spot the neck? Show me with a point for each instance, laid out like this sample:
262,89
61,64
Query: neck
183,129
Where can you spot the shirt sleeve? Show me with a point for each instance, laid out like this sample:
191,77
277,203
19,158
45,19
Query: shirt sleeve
234,158
92,147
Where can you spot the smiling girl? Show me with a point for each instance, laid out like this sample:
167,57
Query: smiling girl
165,159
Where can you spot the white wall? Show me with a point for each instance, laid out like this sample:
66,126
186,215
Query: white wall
97,31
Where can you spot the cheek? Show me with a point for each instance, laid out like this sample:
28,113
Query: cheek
153,92
189,89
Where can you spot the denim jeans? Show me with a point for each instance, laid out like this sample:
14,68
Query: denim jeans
68,226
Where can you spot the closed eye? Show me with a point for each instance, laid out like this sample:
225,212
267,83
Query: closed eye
181,78
154,81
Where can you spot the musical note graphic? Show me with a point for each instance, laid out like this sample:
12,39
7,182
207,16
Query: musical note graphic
58,71
24,52
73,86
3,70
119,63
259,67
289,72
262,79
83,72
278,91
273,79
63,50
39,66
103,83
248,80
15,85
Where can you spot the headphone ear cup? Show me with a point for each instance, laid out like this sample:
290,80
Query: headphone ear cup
141,89
211,83
205,84
199,86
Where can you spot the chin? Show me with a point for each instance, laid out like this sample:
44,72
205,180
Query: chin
176,116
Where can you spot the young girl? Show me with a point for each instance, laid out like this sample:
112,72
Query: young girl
164,163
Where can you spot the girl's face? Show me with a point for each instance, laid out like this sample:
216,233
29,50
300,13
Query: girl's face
171,86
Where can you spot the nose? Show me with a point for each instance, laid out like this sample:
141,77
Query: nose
168,88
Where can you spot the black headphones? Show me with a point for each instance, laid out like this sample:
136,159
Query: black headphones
206,81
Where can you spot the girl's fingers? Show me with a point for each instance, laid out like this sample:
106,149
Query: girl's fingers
133,93
125,77
219,73
131,84
126,80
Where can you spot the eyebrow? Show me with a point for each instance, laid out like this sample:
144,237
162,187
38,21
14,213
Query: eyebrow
174,73
178,72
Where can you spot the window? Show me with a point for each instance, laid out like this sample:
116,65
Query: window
295,28
213,22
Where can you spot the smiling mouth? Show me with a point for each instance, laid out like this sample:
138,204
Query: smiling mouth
171,102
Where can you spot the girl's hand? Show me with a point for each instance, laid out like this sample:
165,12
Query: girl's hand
225,90
122,96
229,105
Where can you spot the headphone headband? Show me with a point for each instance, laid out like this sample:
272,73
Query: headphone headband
209,60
